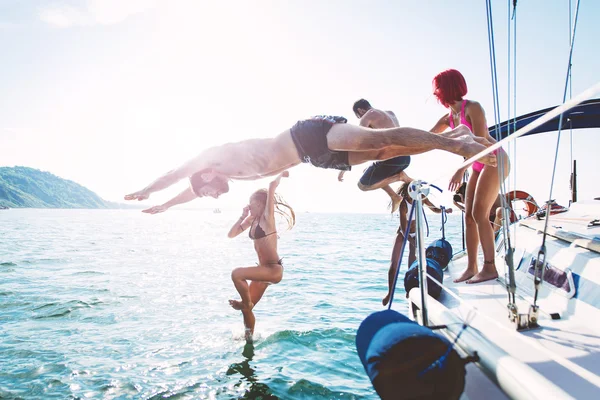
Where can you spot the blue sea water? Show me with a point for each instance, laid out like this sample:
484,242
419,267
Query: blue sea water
116,304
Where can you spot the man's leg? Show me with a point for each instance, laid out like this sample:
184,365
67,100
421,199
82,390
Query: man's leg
404,141
381,175
365,186
385,183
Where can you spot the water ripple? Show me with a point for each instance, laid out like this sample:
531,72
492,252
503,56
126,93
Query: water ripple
118,304
8,264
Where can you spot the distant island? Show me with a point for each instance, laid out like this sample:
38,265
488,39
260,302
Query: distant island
23,187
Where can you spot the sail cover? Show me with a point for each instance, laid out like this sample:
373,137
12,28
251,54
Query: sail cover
585,115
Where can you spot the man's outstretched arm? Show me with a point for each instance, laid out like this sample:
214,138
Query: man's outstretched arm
161,183
183,197
187,169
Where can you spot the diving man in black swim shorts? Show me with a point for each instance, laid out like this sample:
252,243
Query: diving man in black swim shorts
382,173
324,141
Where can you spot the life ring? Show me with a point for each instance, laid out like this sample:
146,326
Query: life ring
518,195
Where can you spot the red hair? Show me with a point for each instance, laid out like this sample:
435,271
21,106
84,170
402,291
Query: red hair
449,86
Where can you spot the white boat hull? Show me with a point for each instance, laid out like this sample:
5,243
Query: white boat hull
561,358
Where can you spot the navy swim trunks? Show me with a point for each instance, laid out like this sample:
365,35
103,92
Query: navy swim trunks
381,170
310,138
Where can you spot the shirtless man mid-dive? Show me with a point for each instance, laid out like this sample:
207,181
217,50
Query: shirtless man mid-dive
323,141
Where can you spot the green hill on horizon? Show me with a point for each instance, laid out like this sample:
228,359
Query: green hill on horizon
24,187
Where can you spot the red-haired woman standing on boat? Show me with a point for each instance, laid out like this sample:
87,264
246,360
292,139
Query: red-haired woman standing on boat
450,87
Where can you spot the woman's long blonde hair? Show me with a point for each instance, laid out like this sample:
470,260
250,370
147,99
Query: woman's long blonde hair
281,207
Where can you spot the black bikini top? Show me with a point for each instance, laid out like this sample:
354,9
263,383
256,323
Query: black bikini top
259,233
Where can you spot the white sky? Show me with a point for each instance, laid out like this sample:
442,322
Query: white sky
111,94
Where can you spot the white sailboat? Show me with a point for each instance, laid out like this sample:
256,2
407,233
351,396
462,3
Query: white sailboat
550,350
534,333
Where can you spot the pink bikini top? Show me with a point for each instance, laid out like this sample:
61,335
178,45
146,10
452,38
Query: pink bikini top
463,118
477,166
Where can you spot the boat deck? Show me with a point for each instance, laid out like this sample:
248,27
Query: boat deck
565,351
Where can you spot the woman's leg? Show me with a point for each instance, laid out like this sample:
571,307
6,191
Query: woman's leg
486,194
241,276
257,289
253,292
412,254
393,265
472,236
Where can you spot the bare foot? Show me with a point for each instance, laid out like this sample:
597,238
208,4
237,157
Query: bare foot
484,275
386,300
238,305
468,274
396,200
139,195
469,148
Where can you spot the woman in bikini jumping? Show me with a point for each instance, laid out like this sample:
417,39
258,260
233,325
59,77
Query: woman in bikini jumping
259,216
484,183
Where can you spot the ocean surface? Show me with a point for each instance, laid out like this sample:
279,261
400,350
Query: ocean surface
117,304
